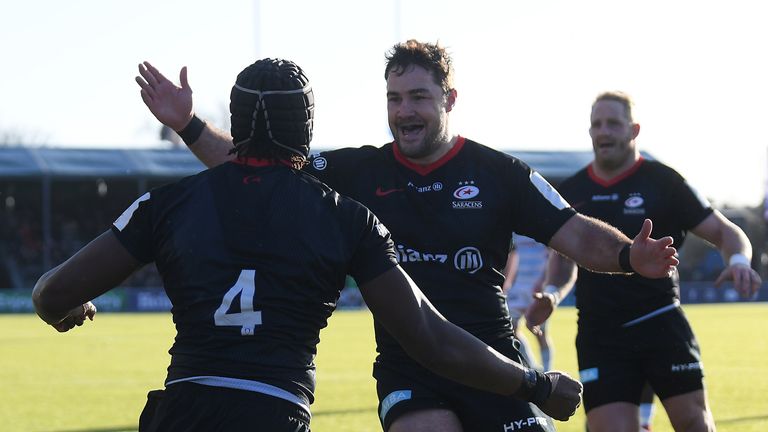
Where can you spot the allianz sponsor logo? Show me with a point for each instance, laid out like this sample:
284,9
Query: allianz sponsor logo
684,367
467,259
609,197
405,255
434,187
516,425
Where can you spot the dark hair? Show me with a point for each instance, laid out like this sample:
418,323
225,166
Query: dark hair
431,57
272,111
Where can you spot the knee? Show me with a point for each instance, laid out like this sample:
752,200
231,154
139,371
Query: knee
694,421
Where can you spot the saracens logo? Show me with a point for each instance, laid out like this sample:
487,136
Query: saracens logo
634,201
466,192
634,204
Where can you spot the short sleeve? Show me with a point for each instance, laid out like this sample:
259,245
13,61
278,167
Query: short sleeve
134,229
375,251
542,210
690,206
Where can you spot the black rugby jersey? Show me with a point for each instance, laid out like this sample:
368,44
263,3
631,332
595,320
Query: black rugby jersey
253,257
647,190
451,222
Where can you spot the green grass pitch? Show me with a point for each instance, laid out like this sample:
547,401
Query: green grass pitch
95,379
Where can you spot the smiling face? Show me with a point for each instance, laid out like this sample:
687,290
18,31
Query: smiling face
417,108
613,136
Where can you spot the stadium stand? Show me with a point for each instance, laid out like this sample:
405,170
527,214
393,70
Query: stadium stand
52,200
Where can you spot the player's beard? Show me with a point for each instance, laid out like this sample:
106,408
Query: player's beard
618,156
434,139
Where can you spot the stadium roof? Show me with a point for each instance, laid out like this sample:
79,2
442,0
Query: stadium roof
37,162
24,162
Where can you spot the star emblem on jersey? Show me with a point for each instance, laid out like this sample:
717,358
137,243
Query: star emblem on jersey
466,192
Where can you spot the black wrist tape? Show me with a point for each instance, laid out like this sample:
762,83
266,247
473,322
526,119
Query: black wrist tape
624,260
192,130
536,387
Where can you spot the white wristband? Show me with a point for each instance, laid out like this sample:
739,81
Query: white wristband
738,258
551,289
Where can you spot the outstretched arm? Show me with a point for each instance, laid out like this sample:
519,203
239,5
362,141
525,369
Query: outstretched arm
597,246
399,305
172,106
62,295
736,250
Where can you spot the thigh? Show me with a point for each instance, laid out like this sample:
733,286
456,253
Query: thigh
427,420
689,412
614,417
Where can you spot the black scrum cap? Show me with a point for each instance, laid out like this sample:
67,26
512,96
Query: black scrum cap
272,102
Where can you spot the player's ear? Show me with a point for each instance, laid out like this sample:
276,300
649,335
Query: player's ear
450,100
635,130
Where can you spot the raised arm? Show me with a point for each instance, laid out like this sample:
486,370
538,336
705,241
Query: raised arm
602,248
736,249
172,106
399,305
62,295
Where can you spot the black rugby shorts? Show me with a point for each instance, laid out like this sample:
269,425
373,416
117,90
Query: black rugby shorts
404,387
187,406
615,363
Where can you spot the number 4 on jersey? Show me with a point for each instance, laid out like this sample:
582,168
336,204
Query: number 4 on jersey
247,318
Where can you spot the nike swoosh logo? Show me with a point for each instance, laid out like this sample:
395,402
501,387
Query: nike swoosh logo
380,192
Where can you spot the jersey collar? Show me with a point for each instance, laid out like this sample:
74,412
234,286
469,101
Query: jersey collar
426,169
610,182
259,162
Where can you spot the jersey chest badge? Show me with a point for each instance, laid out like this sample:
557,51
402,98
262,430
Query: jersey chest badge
634,205
464,196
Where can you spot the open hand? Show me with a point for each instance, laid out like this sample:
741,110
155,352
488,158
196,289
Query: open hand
746,281
539,311
169,103
652,258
